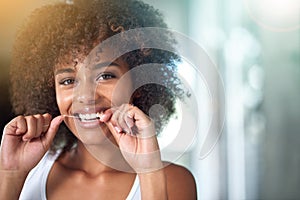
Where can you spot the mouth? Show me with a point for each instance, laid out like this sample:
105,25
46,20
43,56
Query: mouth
88,117
89,120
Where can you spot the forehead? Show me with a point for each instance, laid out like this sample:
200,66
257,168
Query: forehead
86,67
95,59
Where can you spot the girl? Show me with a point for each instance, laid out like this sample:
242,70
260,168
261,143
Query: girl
80,133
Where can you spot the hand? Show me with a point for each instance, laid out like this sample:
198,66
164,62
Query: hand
135,134
25,140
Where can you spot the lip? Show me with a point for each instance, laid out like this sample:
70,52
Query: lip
87,117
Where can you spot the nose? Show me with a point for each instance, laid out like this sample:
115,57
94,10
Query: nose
85,92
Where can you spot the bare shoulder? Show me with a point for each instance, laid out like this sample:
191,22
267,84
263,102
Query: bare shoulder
180,182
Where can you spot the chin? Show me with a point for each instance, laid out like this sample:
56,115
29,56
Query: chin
99,135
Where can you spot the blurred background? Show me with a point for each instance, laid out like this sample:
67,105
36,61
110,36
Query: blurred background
255,45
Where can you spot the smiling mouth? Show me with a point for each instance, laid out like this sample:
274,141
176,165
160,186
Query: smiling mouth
89,117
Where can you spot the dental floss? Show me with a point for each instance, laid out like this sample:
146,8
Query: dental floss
72,116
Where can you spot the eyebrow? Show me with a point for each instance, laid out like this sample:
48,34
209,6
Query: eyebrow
105,64
97,66
64,70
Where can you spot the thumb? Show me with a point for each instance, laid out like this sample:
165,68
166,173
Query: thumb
114,131
106,118
49,135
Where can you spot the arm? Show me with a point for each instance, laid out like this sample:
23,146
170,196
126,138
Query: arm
153,185
11,184
25,140
180,183
172,182
135,134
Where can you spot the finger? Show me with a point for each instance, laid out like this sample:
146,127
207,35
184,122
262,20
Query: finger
17,126
53,128
111,115
143,126
129,121
115,133
31,122
125,122
39,124
114,120
47,120
106,115
139,117
120,119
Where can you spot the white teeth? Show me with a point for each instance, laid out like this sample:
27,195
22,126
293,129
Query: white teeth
86,117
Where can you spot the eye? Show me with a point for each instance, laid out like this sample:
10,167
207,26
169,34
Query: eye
67,81
105,76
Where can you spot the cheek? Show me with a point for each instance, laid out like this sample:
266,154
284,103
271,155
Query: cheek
64,100
121,93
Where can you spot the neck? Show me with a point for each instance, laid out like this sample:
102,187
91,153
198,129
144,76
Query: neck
95,159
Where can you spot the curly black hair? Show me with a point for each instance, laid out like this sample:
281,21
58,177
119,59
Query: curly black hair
59,33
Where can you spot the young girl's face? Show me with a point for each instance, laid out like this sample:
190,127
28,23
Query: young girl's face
84,90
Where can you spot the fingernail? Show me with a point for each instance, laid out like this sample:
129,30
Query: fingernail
119,130
130,115
59,120
101,116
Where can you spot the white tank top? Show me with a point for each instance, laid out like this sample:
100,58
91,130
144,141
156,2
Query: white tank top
35,184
